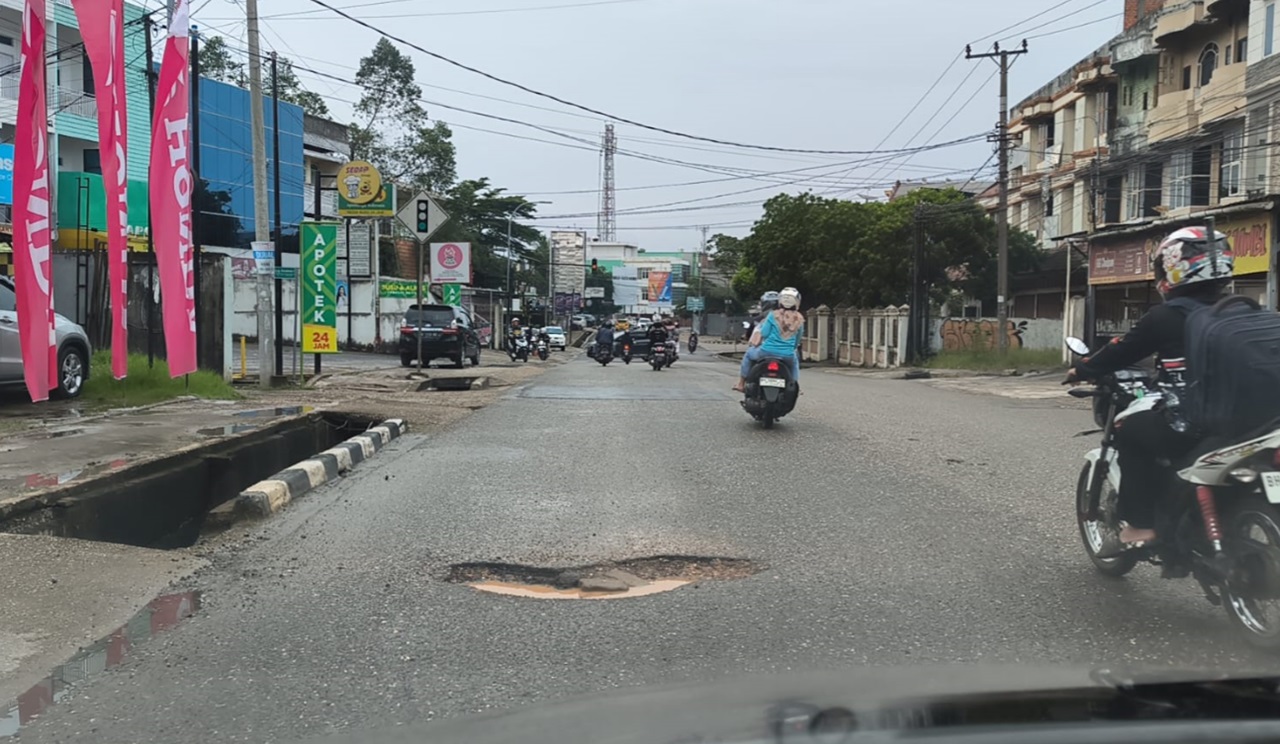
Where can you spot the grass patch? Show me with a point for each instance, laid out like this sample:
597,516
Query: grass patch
986,360
146,385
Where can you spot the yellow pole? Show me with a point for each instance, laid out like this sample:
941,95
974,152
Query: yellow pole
244,358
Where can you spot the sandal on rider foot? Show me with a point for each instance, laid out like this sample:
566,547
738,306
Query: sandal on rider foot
1113,547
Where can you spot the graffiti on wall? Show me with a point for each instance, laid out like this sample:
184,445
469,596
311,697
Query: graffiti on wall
963,334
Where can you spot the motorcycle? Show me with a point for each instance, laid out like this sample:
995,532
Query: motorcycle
659,355
1223,527
604,354
626,353
543,349
693,342
769,392
520,350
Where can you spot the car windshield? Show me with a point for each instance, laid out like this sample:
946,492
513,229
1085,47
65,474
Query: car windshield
812,408
431,316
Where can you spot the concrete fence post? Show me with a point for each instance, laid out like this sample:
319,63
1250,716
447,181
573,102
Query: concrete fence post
875,337
824,332
904,315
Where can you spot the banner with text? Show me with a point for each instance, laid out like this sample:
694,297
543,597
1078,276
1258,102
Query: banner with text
319,280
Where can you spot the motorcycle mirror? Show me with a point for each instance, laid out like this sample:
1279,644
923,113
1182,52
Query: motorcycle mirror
1077,346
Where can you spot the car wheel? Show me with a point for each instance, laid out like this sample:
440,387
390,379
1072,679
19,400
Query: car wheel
71,372
405,360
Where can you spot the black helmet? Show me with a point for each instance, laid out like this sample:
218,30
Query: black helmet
768,301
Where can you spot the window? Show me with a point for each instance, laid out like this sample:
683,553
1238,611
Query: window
86,74
93,161
1201,175
1145,98
1186,77
1229,176
1128,95
1226,56
1152,185
1112,199
8,301
1049,140
1242,49
1179,181
1208,63
1048,205
1269,31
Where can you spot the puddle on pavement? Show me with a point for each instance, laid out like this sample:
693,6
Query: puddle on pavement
275,412
161,614
33,481
640,577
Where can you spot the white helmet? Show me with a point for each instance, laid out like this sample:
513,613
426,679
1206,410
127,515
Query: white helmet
789,298
1188,257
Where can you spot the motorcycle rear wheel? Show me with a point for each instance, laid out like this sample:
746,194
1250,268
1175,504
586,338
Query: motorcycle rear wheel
1093,533
1254,519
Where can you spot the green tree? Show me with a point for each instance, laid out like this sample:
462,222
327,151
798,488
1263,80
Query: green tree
217,62
216,224
291,89
392,130
478,213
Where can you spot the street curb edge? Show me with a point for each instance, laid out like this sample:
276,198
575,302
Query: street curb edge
269,496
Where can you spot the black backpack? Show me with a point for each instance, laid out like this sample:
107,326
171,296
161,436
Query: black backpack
1233,366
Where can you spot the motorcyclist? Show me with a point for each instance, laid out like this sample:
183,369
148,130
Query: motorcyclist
657,333
768,303
673,333
777,335
1186,264
604,339
514,331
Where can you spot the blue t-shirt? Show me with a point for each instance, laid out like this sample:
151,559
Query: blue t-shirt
772,342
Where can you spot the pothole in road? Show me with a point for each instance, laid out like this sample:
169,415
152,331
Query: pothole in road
638,577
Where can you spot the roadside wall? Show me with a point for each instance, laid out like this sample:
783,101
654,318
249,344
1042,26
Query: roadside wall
960,334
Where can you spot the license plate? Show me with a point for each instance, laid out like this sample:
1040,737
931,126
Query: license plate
773,382
1271,484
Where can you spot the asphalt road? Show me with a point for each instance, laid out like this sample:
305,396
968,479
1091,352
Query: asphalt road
897,523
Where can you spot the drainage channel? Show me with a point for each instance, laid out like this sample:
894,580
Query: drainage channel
163,503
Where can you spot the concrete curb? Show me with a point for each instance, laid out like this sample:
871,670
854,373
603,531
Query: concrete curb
269,496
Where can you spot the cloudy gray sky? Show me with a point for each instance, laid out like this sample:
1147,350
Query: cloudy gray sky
808,74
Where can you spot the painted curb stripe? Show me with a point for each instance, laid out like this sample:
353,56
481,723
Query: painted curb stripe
354,451
341,455
265,498
366,443
299,480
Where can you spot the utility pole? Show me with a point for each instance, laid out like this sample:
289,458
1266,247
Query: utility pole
261,215
279,258
1002,213
147,24
702,259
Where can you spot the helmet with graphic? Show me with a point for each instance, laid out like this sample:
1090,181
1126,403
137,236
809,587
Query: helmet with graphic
789,298
768,301
1189,257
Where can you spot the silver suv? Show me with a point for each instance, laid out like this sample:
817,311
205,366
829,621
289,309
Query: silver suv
73,347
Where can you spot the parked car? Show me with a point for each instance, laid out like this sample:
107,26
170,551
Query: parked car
447,332
558,338
73,347
578,323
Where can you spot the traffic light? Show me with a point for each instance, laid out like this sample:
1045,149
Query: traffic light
423,208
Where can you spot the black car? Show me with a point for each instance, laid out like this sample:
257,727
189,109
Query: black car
447,332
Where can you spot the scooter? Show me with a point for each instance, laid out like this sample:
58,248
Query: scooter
769,392
1223,527
626,353
604,354
543,351
693,341
658,356
520,352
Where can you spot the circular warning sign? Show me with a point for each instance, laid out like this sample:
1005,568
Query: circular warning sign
359,182
450,256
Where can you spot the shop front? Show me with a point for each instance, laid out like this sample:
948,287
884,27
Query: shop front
1121,282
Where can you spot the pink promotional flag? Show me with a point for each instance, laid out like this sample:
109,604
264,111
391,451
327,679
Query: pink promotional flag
102,28
171,190
33,274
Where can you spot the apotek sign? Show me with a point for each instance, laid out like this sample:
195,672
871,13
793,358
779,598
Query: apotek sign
450,263
319,280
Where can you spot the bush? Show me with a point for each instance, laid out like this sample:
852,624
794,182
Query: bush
146,384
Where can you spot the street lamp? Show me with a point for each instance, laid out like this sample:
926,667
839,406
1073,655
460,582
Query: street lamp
510,217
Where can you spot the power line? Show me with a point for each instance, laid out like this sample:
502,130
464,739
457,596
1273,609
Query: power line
305,15
582,107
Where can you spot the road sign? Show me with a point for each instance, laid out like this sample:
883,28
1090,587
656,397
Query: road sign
422,215
695,304
264,257
287,273
319,259
593,292
450,263
451,293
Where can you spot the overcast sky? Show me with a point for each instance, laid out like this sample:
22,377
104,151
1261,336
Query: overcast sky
808,74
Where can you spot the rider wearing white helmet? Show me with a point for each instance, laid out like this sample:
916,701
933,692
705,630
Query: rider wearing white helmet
1186,264
778,335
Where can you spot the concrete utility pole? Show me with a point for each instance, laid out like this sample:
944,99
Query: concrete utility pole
261,221
1002,213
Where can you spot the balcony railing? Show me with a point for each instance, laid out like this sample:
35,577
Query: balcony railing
61,100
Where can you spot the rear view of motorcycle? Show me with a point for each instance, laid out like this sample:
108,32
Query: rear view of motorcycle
770,392
658,356
1219,524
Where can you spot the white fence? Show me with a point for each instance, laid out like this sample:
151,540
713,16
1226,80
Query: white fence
872,337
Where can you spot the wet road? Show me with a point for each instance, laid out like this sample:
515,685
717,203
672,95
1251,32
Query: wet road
897,523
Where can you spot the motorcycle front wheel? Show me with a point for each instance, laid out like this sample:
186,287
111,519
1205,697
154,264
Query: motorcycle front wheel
1094,533
1252,596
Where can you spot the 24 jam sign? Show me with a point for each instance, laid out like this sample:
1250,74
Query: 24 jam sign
450,263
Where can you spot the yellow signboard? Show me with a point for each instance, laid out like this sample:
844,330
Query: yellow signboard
318,339
358,182
1250,239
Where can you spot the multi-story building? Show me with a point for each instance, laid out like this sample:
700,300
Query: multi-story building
326,146
1184,154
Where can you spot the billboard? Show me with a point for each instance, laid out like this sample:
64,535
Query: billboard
569,250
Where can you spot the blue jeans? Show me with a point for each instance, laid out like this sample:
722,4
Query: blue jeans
755,354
